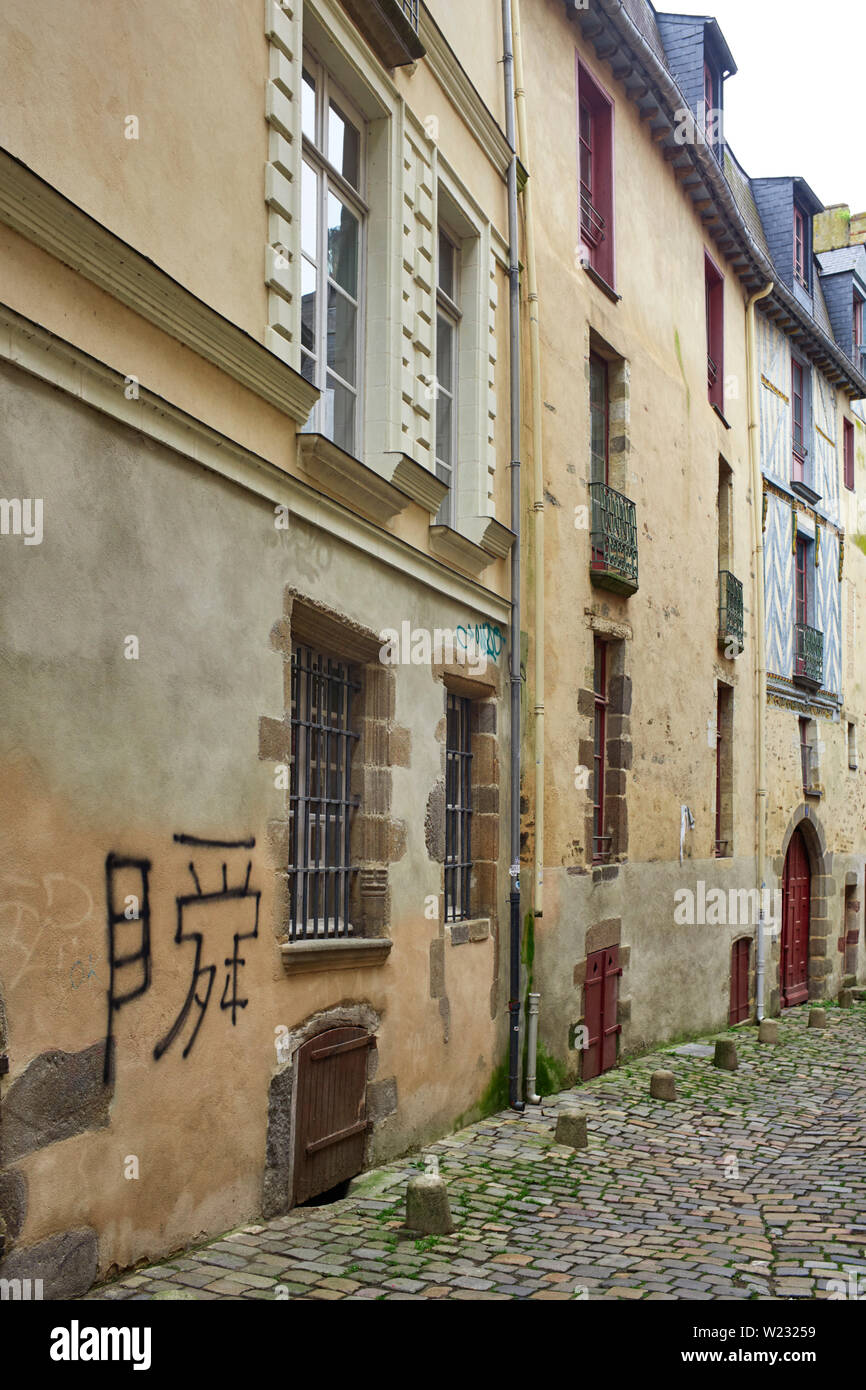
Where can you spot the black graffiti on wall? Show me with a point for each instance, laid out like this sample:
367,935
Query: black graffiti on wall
199,915
129,957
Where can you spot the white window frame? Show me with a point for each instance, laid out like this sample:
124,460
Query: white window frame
448,308
330,180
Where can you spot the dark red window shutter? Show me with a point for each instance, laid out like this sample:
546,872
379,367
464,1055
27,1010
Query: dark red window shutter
849,454
715,292
595,145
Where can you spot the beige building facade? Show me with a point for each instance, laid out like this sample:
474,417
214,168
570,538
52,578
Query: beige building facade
257,635
255,624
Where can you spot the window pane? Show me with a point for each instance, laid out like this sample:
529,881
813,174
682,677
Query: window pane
444,428
344,145
341,410
308,305
598,419
342,320
309,211
446,265
445,353
343,235
308,105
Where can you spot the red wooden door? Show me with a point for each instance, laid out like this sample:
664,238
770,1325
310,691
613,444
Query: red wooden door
740,980
796,903
330,1116
600,993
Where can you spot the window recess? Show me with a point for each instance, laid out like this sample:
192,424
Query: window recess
333,224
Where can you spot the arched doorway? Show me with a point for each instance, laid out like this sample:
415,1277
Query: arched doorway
796,908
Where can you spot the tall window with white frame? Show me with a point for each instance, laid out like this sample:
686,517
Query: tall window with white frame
447,371
333,214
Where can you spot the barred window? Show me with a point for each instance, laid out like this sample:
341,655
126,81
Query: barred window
600,841
458,809
320,801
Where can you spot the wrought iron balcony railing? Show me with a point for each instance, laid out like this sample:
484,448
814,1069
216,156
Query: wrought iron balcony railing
410,10
613,540
808,656
712,372
730,610
592,224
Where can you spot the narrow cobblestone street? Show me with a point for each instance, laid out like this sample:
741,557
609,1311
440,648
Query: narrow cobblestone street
751,1185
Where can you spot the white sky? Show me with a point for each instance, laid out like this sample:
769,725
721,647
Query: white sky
797,103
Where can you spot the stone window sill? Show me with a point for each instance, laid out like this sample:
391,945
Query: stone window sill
304,957
476,929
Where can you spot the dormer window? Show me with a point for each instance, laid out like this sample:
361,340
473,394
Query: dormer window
801,248
709,117
858,323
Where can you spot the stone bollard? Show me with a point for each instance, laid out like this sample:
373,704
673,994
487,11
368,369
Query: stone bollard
768,1031
427,1208
571,1129
817,1018
663,1086
846,998
726,1055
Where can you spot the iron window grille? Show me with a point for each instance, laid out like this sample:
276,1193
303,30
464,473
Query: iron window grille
806,755
458,809
410,10
613,539
601,843
808,655
721,840
321,873
730,609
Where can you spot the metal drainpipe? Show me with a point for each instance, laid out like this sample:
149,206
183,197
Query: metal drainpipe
514,654
532,1050
537,465
760,641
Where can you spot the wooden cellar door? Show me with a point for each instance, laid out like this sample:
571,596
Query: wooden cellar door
331,1113
601,993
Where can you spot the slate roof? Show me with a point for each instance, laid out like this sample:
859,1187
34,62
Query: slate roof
843,258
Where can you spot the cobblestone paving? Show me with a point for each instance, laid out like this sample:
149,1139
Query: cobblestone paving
751,1185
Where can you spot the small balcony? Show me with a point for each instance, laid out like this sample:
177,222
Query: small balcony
730,612
808,656
613,540
390,27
